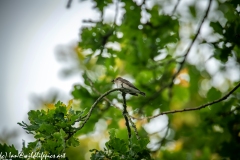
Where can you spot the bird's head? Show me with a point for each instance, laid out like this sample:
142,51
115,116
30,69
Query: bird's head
118,78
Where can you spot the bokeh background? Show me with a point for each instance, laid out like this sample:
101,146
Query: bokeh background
31,32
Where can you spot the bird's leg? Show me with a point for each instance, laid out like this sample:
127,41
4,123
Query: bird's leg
122,85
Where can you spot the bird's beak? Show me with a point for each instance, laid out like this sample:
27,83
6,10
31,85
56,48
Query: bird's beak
112,81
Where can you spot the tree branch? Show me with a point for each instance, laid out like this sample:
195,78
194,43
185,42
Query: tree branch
165,136
199,107
114,105
143,3
167,112
89,21
191,44
105,98
175,7
94,105
69,4
151,117
125,113
134,127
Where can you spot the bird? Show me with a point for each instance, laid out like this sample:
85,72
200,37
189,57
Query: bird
128,86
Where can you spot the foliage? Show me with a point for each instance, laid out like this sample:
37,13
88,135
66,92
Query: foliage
5,148
53,129
145,45
119,149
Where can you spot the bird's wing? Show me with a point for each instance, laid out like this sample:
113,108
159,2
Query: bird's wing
134,94
129,84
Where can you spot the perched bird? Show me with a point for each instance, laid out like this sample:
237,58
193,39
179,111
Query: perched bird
128,86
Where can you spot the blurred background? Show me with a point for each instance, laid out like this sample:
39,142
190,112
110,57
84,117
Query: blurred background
30,34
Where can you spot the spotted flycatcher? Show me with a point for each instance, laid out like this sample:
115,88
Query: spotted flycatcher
127,86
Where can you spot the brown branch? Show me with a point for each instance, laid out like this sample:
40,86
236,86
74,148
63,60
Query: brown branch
175,7
69,4
134,127
191,44
199,107
105,98
143,3
167,112
89,21
125,113
94,105
164,137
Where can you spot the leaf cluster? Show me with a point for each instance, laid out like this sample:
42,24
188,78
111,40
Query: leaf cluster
117,149
53,129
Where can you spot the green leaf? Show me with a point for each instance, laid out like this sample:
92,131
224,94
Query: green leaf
217,27
4,148
192,10
101,4
213,94
80,92
112,132
73,142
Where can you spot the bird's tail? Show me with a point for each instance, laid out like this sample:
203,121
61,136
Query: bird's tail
142,93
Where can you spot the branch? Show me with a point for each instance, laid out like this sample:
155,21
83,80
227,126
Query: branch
134,127
94,105
110,102
69,4
163,139
199,107
175,7
143,3
105,98
165,135
191,44
89,21
125,113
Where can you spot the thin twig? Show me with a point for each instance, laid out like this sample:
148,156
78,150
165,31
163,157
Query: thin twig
174,111
175,7
191,44
143,3
165,135
69,4
134,127
110,102
89,21
95,104
199,107
125,113
105,98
